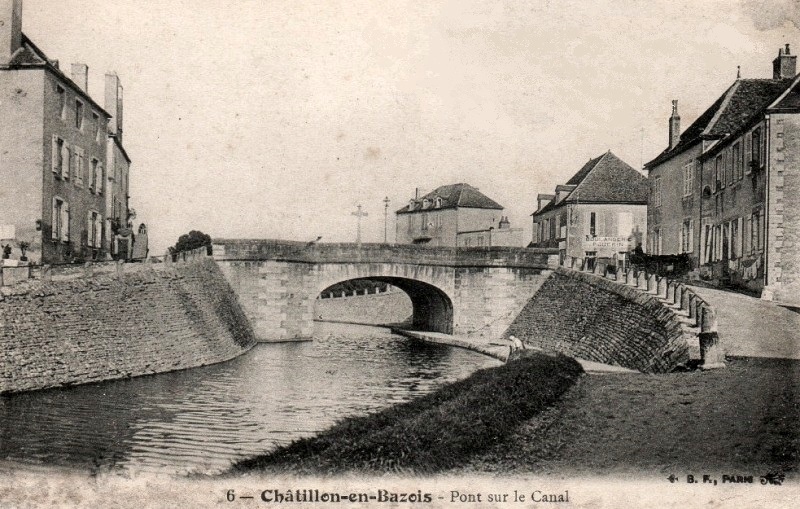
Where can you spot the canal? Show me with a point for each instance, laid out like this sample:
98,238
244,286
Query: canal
201,420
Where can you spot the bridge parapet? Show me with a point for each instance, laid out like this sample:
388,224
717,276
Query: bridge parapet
315,252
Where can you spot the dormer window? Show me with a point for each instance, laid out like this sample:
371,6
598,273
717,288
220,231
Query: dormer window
426,203
437,203
411,205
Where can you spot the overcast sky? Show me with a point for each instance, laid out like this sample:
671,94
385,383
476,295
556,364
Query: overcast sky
274,119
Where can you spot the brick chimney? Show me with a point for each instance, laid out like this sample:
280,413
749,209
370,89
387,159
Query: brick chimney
10,29
674,126
785,66
113,104
80,75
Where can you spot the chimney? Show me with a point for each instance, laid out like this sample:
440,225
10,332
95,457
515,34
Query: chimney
80,75
113,104
674,126
10,29
785,66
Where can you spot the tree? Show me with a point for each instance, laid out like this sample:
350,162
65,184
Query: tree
192,240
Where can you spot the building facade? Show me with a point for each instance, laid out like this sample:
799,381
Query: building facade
53,154
723,190
450,213
600,213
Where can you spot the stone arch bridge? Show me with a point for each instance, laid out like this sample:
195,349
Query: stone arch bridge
454,291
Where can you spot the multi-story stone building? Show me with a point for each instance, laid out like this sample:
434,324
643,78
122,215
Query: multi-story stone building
601,212
724,189
53,153
119,237
455,215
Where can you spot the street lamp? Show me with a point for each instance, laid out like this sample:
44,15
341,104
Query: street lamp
385,219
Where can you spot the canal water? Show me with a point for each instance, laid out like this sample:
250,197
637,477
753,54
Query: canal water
201,420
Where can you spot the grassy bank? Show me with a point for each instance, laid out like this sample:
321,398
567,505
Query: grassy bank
436,432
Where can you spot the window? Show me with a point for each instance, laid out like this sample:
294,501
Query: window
60,220
78,114
424,225
592,224
735,249
755,231
756,148
98,131
93,181
737,161
719,173
687,236
657,192
708,244
688,178
62,101
57,155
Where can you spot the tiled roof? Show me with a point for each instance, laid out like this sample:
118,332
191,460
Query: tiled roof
748,98
453,196
733,110
604,179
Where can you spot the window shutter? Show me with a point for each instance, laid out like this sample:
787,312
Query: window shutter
65,161
89,229
98,186
740,240
65,222
78,166
98,238
748,152
54,155
690,248
54,221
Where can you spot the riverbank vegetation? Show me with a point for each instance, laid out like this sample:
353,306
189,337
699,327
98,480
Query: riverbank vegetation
433,433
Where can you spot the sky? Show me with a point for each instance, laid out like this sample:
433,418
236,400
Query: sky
275,119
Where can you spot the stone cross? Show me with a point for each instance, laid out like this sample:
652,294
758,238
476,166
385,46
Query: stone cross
359,214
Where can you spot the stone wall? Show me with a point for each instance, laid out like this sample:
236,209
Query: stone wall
592,318
155,319
374,309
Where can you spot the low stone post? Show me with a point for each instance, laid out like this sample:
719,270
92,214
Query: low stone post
712,354
120,268
652,284
641,281
630,278
678,295
691,304
661,287
671,291
47,273
685,293
88,269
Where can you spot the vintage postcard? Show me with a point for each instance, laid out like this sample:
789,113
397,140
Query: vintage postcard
408,254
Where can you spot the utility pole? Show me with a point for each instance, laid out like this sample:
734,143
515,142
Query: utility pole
385,220
359,214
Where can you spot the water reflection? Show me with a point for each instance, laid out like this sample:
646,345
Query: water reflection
201,420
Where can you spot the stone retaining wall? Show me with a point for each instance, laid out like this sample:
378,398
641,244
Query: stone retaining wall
592,318
158,318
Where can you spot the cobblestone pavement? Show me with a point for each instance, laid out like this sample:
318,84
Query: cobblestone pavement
751,327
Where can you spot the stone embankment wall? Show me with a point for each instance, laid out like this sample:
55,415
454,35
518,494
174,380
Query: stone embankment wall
393,307
147,319
592,318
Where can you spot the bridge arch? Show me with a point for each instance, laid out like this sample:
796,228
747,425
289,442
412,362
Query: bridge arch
432,307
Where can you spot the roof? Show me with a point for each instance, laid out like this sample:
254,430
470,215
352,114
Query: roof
736,108
30,56
604,179
453,196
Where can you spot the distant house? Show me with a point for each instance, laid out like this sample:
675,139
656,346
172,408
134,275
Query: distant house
601,212
455,215
723,191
